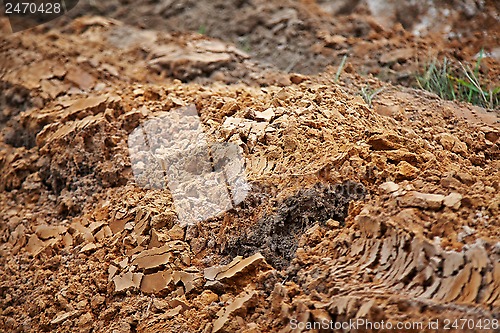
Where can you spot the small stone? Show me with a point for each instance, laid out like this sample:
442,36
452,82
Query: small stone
389,187
297,78
452,143
450,182
85,320
465,178
453,200
176,233
206,298
96,301
422,200
266,115
332,224
334,40
407,171
386,141
492,136
138,92
160,304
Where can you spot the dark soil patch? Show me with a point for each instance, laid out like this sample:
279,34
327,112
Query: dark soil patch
277,236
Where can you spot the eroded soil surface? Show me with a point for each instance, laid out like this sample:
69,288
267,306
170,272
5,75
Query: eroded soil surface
383,212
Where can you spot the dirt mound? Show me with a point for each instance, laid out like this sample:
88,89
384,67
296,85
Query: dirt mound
392,43
345,211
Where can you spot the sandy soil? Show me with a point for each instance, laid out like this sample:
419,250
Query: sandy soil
305,205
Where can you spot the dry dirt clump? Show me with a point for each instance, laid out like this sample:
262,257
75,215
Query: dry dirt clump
385,213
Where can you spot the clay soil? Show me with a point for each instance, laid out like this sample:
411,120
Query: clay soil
343,209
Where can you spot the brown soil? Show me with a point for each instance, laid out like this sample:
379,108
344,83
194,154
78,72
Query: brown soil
386,212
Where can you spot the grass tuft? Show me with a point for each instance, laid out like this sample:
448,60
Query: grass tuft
463,84
340,69
368,94
202,29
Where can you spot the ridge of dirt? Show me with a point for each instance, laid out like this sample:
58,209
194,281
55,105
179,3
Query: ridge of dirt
392,43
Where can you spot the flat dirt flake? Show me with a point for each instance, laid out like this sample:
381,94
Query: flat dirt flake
153,258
